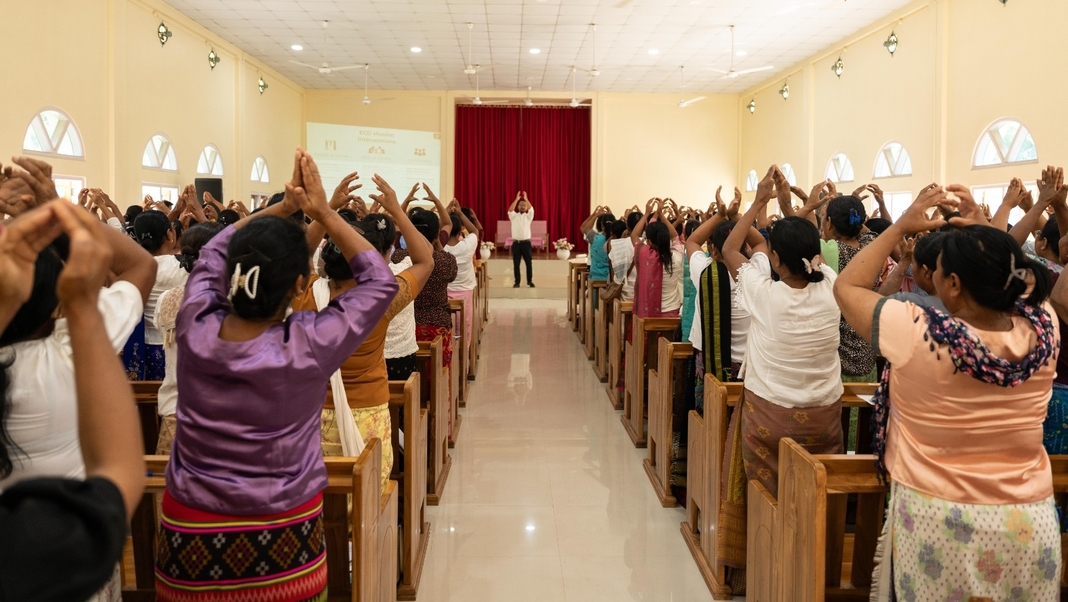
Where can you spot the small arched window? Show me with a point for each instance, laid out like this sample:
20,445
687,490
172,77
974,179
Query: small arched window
159,154
259,171
893,160
788,171
840,169
1005,141
751,181
52,132
210,163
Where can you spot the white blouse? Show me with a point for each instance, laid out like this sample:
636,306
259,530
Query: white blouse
44,406
621,256
400,336
464,252
169,274
791,358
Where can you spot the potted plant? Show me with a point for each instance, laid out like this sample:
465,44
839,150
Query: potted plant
563,248
485,249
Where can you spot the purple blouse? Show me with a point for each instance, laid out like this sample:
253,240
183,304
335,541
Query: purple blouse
248,440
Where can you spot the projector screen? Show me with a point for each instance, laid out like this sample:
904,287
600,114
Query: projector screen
402,157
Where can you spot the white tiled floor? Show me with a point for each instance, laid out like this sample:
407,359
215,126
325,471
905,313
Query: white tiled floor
547,499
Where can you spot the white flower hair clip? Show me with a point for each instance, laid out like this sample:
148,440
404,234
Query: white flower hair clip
812,265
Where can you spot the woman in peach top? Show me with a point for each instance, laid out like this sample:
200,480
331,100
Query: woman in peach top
958,416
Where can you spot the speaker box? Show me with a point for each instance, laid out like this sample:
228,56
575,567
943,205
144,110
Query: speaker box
212,185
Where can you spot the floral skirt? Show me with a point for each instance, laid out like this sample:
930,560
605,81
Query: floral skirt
143,361
206,557
949,551
371,422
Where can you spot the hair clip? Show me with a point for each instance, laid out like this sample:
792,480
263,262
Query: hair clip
1020,274
249,282
381,224
854,218
812,265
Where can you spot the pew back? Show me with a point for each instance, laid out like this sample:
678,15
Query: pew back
415,532
665,386
434,394
622,313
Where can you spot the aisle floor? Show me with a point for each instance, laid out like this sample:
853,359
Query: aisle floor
547,499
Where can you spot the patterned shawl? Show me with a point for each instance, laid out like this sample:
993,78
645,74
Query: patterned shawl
715,300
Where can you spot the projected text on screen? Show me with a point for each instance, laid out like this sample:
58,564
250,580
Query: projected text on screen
402,157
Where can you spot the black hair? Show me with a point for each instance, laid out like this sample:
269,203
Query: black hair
194,239
847,215
795,239
720,234
632,219
150,230
947,218
878,225
131,213
278,197
7,446
348,215
169,204
457,225
468,213
1051,233
277,246
379,230
228,217
178,228
427,223
619,228
982,258
603,219
658,237
927,248
689,227
36,312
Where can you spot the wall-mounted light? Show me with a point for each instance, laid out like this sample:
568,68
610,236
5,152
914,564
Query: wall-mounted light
838,67
784,91
262,85
163,33
891,43
751,106
1004,2
213,59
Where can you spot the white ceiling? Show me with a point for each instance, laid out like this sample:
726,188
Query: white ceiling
690,33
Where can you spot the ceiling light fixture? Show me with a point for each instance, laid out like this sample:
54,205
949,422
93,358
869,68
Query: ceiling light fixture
296,47
535,51
262,85
654,51
751,106
891,43
785,90
213,59
838,67
416,49
163,34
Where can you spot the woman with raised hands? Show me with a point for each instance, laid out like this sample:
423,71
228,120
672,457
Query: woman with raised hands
959,412
362,384
658,288
246,464
463,245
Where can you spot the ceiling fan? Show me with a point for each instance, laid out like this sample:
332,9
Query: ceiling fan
366,99
326,69
732,73
470,69
575,103
593,71
477,100
683,103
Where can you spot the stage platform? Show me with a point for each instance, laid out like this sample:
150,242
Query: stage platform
550,278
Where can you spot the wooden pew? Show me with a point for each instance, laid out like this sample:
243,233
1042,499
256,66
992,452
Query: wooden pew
146,394
373,529
583,275
590,311
665,385
458,369
483,275
622,313
407,415
640,357
704,465
602,322
477,324
434,397
572,294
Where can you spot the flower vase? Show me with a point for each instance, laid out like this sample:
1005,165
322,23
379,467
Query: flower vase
563,254
484,253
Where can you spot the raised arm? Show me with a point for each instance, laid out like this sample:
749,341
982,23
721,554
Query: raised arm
732,248
852,288
636,233
1031,220
705,230
1014,197
880,200
518,196
1052,185
467,224
589,222
344,193
411,197
893,281
419,248
443,213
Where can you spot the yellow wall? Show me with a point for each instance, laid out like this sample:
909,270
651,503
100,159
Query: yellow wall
642,144
960,66
102,64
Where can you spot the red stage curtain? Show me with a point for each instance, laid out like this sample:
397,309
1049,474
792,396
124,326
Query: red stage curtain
542,150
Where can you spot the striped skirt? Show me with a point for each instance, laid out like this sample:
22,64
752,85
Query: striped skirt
206,557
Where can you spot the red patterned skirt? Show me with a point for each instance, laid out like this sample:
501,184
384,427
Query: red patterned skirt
206,557
427,332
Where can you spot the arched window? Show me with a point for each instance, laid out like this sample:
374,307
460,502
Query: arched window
1006,141
751,181
788,171
210,162
159,154
259,171
893,160
840,168
52,132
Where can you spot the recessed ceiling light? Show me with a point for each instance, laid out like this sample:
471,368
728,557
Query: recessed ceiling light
296,47
416,49
654,51
535,51
741,53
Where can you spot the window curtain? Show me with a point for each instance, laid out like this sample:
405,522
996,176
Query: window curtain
542,150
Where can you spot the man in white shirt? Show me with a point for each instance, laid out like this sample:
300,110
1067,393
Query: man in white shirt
521,214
